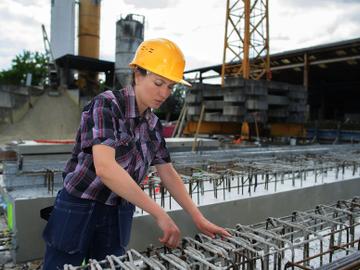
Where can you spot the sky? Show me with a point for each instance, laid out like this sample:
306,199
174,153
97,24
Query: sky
197,26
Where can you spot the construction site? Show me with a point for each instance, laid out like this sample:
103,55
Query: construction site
267,145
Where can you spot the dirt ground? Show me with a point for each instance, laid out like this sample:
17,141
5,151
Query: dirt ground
49,118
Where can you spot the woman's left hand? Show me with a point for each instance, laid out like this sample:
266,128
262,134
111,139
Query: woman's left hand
209,228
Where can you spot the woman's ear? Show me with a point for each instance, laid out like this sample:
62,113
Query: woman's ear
137,76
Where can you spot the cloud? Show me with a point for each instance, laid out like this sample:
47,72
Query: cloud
159,28
21,28
10,16
198,28
307,4
30,2
151,4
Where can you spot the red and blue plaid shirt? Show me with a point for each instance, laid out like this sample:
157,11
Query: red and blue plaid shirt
112,118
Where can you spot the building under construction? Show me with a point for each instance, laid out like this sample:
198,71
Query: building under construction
287,190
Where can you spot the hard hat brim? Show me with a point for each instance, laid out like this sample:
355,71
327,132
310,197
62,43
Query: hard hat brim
185,83
181,81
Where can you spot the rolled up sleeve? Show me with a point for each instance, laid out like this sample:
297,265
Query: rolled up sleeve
97,124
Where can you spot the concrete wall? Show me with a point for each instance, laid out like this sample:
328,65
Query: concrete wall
15,103
74,95
29,227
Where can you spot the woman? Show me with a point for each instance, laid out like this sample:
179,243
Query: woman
118,139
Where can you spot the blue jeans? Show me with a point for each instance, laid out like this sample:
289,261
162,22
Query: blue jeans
81,229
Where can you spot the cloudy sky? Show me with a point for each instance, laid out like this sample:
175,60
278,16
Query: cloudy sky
196,26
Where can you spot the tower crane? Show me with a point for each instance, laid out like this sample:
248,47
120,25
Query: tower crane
246,42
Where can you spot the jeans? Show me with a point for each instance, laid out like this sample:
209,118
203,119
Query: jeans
81,229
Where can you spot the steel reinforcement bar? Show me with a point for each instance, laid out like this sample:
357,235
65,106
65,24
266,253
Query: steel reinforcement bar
320,238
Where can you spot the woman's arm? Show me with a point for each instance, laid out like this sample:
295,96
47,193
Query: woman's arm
172,181
120,182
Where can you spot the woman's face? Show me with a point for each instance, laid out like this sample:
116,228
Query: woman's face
151,90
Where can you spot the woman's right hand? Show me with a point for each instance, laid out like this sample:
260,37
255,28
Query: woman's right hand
171,233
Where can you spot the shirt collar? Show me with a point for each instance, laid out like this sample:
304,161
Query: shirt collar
132,111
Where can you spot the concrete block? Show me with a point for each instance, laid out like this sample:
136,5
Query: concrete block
193,98
219,117
279,113
277,86
234,82
297,87
255,104
257,88
10,167
297,107
238,110
193,110
277,100
213,92
297,94
234,95
260,116
213,104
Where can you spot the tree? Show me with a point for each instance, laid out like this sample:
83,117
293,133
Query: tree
27,62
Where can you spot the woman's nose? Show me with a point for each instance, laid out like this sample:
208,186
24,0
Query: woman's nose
165,92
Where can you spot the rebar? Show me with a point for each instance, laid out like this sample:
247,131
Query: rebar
296,242
223,179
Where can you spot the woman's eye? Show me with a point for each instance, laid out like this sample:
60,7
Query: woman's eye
158,83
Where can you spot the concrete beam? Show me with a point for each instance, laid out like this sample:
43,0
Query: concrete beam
277,100
254,104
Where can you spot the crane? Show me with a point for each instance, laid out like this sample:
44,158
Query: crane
246,42
51,65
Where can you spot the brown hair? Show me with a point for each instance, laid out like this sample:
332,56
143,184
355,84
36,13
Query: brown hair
142,71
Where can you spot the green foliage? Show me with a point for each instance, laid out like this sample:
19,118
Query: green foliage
27,62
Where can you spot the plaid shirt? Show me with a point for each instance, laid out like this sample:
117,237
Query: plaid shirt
112,118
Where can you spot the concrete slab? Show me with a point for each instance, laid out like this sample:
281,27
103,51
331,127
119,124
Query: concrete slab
193,98
213,92
193,110
238,110
277,100
254,104
234,82
278,113
234,95
277,86
218,117
297,107
299,94
213,104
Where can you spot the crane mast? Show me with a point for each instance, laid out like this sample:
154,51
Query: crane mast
246,42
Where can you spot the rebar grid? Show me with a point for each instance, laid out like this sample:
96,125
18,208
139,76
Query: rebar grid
228,179
302,240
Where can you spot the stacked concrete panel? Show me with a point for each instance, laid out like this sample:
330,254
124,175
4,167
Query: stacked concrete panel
248,100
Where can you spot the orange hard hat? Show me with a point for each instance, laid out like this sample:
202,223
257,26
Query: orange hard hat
162,57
